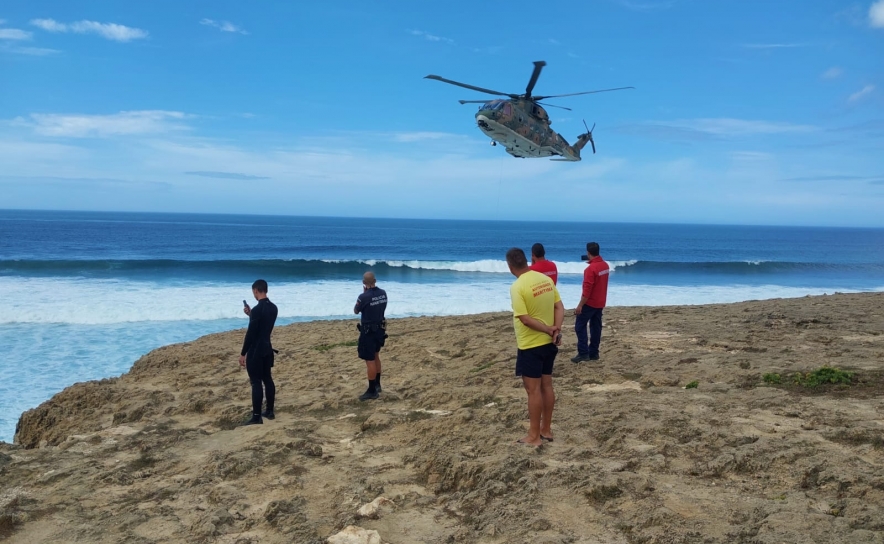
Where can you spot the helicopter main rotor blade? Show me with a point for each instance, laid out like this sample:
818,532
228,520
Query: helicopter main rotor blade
473,101
538,66
554,106
471,87
586,92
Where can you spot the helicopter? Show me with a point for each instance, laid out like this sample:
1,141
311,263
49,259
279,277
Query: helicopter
520,123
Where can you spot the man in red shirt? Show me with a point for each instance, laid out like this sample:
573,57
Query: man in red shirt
592,302
540,264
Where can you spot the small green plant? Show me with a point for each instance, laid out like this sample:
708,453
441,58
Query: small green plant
693,385
603,493
823,375
326,347
416,415
772,378
481,367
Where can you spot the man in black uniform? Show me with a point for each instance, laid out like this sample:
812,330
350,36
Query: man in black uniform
257,352
372,332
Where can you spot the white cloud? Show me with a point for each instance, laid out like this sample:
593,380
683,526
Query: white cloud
118,124
428,178
862,93
49,25
110,31
33,51
14,34
738,127
832,73
750,156
430,37
406,137
223,26
744,127
876,14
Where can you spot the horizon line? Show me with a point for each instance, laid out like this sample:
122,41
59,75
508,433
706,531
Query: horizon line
699,224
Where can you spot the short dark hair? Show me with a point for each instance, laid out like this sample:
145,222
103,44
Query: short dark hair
515,257
592,249
260,286
537,250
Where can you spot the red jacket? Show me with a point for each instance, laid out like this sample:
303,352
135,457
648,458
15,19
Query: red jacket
595,283
547,267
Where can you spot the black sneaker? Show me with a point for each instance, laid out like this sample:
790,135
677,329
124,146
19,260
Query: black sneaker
268,414
369,395
593,358
256,420
580,358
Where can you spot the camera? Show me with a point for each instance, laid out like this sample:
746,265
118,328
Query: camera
584,257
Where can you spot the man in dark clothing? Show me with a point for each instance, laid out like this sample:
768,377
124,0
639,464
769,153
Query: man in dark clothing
592,302
257,352
372,332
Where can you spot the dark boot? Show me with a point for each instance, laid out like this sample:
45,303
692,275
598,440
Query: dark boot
268,414
256,420
370,394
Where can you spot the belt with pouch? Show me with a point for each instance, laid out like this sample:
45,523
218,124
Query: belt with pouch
372,327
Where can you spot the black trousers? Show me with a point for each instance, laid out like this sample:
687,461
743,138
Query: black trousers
262,382
592,317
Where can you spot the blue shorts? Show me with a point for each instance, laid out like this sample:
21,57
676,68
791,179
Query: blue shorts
370,343
536,362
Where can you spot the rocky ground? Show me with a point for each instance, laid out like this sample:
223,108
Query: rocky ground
156,455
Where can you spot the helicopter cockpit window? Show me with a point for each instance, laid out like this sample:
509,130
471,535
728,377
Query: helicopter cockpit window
507,109
493,105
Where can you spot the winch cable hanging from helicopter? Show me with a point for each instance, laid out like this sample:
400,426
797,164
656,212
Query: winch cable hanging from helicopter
520,123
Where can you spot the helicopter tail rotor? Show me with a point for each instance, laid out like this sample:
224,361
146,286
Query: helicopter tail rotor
588,135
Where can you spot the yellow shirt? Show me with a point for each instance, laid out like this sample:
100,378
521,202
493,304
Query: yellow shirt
533,294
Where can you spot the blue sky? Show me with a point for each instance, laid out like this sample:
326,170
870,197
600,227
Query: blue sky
744,112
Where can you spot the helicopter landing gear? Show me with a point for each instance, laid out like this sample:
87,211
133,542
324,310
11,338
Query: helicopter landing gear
493,143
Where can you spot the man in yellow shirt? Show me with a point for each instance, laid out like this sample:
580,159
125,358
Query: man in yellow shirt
538,314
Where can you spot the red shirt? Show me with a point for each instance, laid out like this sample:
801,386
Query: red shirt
548,268
595,283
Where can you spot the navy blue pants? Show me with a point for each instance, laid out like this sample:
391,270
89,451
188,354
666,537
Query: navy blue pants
593,318
262,381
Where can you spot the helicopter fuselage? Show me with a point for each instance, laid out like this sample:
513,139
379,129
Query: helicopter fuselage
523,128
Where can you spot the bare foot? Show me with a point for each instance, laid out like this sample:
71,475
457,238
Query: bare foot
528,442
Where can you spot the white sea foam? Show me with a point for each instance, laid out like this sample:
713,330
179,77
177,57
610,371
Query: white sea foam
95,302
490,266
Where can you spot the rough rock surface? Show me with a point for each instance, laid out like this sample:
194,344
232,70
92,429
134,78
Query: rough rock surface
155,455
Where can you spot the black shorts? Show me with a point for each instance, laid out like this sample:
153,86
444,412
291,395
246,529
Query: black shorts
370,343
536,362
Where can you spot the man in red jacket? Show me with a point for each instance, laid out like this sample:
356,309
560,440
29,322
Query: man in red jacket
592,302
540,264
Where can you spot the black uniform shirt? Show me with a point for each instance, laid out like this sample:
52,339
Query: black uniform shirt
372,303
261,320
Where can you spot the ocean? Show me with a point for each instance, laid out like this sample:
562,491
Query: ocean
86,294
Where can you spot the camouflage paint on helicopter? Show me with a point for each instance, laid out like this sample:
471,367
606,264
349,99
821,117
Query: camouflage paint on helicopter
521,124
526,135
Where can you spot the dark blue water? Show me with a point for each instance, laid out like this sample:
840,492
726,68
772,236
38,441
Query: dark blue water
236,248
